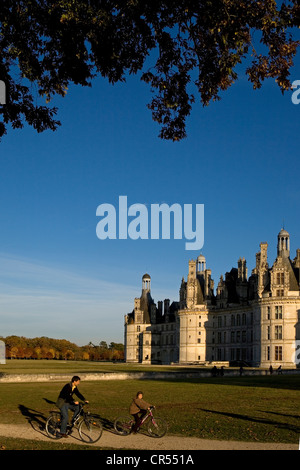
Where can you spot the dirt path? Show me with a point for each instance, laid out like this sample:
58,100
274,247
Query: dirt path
142,441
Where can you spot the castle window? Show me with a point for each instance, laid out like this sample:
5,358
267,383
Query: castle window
199,340
238,319
268,313
138,328
232,320
280,278
280,292
278,312
278,353
244,319
278,332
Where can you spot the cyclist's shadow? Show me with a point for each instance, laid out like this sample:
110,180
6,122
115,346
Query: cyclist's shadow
36,419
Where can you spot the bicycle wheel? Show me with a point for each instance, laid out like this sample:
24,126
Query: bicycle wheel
123,425
53,425
157,427
90,429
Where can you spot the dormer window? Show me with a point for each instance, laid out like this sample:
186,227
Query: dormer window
280,278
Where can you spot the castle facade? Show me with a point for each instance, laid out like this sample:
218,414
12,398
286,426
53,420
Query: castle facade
252,320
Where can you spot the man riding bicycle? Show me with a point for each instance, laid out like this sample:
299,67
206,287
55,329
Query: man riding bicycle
65,402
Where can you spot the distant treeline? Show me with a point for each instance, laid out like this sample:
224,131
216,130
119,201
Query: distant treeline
19,347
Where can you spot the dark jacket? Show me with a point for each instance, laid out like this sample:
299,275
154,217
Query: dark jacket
66,395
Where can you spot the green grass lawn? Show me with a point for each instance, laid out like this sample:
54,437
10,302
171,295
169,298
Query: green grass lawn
250,408
83,367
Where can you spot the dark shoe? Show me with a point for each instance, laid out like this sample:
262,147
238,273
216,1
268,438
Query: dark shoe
69,429
62,434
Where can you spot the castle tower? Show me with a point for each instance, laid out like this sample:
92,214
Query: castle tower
283,244
242,270
201,264
146,280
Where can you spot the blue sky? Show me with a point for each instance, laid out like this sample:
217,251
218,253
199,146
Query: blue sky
240,159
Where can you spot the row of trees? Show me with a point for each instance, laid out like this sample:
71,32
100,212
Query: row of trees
180,49
19,347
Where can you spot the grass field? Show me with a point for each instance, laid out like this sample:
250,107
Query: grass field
81,367
250,408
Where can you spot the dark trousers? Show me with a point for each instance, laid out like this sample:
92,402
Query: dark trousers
138,418
65,415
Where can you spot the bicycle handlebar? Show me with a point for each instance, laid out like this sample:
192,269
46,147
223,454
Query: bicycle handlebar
82,404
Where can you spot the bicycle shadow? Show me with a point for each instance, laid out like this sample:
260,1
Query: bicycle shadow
108,426
35,418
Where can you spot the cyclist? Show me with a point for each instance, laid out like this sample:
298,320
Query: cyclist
138,409
65,402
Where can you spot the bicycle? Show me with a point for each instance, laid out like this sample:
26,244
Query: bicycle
156,426
89,426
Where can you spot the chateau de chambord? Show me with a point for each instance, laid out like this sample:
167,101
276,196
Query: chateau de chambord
252,319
